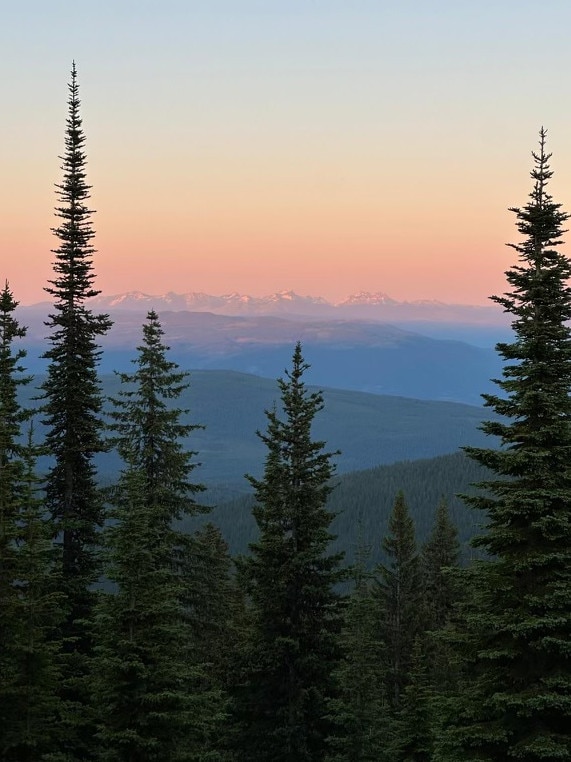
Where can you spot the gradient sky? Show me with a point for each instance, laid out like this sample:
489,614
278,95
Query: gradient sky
324,146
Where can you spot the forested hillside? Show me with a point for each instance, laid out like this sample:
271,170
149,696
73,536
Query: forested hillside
368,429
361,502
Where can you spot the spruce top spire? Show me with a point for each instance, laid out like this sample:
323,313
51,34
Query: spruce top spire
73,265
540,220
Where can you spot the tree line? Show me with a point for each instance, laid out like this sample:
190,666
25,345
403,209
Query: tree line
123,637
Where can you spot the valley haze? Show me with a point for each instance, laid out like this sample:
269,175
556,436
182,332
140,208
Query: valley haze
369,342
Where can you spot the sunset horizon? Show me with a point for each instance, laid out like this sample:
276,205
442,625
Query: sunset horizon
324,151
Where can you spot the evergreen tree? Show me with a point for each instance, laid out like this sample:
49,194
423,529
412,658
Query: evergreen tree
148,430
440,554
291,578
30,662
71,392
29,607
399,593
359,711
71,407
215,609
413,728
153,700
517,704
441,593
212,600
11,465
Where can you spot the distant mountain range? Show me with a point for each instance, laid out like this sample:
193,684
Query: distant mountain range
350,354
365,304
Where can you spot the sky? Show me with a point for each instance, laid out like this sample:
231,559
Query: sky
324,146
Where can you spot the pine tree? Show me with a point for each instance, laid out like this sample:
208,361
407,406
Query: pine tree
517,704
214,606
359,710
212,600
440,554
11,465
441,593
153,700
30,663
413,729
71,392
399,592
71,408
29,607
148,430
291,578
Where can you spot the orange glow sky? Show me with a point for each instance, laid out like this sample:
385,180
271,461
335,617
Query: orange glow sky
327,147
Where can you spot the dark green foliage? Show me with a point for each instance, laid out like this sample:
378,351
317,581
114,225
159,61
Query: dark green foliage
440,553
399,598
215,610
11,465
149,431
212,600
11,379
12,417
359,711
441,593
71,392
365,499
147,686
290,578
413,728
30,662
152,697
28,608
517,704
71,407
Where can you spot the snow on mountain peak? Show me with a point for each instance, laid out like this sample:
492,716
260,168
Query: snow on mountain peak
366,297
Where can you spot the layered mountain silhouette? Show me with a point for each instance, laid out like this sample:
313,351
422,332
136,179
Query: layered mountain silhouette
359,355
370,305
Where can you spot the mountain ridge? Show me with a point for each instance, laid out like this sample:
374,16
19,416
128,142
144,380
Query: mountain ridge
372,305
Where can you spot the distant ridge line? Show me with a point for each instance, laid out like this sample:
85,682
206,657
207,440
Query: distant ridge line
361,304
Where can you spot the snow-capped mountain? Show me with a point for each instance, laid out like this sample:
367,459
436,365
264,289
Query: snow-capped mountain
368,342
365,305
233,303
366,297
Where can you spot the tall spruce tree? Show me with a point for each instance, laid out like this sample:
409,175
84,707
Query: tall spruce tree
414,727
11,472
71,408
517,704
153,700
29,607
148,429
359,710
213,600
30,664
291,577
399,598
71,392
440,555
11,464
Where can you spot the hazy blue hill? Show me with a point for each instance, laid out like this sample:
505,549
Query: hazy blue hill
347,354
363,501
369,429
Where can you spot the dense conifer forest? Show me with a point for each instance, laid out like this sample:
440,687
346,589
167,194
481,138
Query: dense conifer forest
322,618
